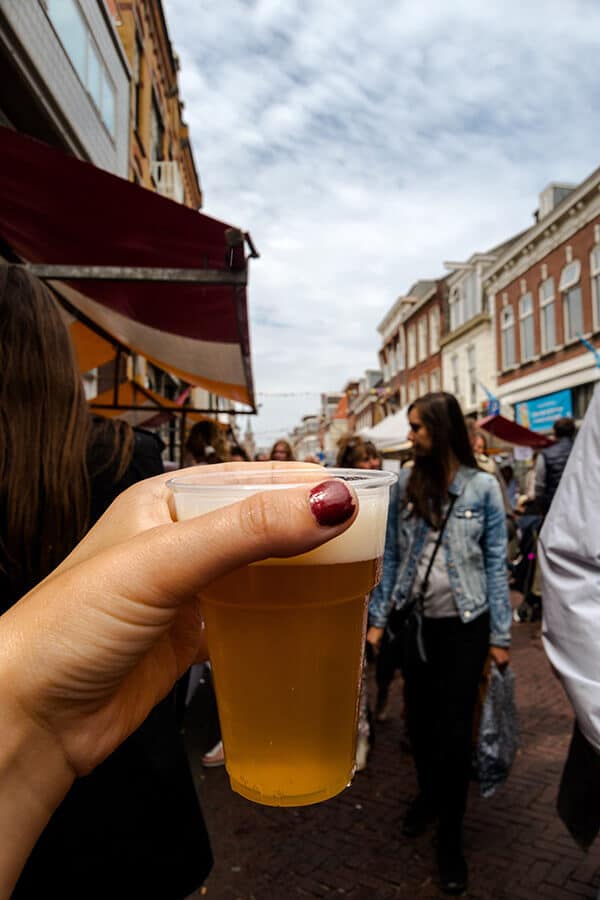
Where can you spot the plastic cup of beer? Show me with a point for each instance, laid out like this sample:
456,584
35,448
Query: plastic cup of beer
286,639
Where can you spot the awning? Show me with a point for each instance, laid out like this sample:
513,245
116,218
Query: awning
512,433
146,407
159,278
389,434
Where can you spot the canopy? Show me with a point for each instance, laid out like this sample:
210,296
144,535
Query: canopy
145,407
152,275
390,433
512,433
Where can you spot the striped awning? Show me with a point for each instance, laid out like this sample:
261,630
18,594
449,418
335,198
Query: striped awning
155,277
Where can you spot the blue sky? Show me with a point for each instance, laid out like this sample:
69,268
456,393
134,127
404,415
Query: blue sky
364,143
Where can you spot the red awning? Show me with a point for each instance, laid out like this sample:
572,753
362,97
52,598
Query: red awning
172,281
512,433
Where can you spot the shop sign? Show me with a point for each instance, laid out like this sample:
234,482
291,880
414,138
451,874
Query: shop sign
540,414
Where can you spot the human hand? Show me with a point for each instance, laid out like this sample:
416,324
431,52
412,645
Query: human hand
88,652
501,656
374,637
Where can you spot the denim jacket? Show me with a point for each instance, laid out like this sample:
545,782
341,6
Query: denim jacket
474,544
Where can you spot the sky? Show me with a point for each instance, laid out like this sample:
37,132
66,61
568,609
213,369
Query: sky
364,143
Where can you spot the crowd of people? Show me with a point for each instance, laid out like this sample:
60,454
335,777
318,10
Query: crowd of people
100,627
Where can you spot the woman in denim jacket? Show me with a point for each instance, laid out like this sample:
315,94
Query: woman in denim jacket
461,614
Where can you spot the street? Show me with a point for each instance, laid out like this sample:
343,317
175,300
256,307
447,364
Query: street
352,846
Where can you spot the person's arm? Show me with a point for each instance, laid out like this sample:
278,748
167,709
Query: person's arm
540,477
89,652
380,601
494,553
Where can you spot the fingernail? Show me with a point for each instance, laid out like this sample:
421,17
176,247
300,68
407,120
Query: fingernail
331,502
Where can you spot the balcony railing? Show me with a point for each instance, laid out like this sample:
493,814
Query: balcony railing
167,177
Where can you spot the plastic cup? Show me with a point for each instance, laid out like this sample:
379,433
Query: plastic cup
286,640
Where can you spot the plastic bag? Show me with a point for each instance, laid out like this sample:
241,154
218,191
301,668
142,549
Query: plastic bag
499,734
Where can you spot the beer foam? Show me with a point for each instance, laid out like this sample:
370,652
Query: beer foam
364,540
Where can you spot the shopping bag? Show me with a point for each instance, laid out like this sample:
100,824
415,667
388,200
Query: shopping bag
499,735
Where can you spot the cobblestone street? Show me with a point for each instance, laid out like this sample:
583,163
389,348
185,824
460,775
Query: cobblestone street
352,846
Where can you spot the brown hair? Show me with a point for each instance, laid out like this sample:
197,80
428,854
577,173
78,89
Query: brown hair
352,450
206,444
288,449
427,487
44,427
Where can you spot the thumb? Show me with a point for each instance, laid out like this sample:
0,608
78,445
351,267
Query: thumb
170,564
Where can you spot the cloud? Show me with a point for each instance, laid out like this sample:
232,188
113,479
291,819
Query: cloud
362,144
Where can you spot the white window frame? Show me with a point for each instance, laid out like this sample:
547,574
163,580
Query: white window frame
422,338
570,281
434,381
423,385
411,340
455,374
412,391
455,303
507,323
547,299
526,321
434,330
472,370
595,275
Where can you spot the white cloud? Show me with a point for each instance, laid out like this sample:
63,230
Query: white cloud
362,144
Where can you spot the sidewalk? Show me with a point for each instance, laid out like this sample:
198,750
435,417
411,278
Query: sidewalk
352,846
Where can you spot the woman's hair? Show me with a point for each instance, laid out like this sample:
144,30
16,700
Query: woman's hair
288,449
427,487
44,429
238,450
351,451
110,448
206,444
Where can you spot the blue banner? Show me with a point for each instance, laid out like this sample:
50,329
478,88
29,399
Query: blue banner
540,414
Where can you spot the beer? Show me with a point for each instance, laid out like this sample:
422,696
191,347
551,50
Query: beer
286,639
289,669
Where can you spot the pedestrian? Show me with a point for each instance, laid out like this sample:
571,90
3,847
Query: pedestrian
205,444
86,655
282,451
446,557
569,555
134,826
552,460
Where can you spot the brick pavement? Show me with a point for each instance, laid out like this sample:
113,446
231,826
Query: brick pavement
352,846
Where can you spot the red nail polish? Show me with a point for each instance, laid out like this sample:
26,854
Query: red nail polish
331,502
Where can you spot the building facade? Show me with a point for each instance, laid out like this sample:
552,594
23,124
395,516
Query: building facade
160,156
411,334
65,79
546,293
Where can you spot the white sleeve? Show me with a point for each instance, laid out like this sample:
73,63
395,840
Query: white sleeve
569,552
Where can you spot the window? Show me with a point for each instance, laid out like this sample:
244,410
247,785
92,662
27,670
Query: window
423,385
526,327
157,131
508,337
456,305
547,317
472,367
83,52
412,350
434,380
434,330
570,290
595,269
455,378
137,81
422,338
471,304
412,391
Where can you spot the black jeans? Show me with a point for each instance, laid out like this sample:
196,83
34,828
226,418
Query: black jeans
440,696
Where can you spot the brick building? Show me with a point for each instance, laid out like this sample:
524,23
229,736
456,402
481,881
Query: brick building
546,293
411,333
